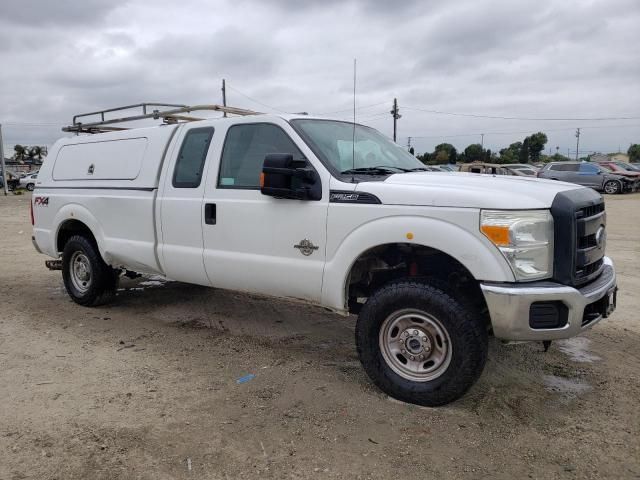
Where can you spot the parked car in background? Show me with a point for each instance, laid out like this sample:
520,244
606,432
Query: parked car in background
621,168
448,167
486,168
28,181
521,169
588,175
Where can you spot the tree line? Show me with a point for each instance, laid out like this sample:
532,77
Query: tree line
530,150
22,153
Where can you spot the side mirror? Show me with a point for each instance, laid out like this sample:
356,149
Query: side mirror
282,177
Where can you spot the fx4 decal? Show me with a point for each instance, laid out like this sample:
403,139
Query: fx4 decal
41,202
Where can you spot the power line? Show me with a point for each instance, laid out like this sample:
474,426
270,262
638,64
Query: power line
254,100
497,117
351,109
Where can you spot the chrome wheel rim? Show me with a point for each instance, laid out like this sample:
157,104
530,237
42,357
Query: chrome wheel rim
415,345
80,272
611,187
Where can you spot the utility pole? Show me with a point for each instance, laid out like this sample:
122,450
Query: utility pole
577,142
396,116
4,169
408,143
482,141
224,96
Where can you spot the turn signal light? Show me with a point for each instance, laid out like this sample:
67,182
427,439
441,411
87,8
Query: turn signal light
498,234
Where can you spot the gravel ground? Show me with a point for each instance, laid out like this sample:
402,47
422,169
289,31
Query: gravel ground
147,388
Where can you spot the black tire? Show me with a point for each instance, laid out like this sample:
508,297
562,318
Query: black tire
30,186
100,288
612,187
467,333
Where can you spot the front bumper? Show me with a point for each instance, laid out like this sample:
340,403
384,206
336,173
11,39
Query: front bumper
510,306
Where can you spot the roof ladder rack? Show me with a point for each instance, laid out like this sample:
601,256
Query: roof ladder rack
168,112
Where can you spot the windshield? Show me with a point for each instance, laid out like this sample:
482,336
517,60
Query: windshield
333,142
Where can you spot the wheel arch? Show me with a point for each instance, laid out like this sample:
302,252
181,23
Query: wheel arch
74,219
447,243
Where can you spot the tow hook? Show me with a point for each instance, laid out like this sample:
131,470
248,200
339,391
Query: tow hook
546,344
53,264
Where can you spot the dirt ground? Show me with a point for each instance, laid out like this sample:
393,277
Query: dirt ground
147,388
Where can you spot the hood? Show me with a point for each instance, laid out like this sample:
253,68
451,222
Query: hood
466,190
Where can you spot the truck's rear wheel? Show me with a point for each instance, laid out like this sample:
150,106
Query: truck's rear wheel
88,280
420,345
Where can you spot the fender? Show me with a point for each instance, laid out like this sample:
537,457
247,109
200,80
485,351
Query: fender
476,253
75,211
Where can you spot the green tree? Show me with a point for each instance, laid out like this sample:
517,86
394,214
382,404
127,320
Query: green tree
20,152
511,154
473,153
450,150
634,152
556,157
536,143
440,157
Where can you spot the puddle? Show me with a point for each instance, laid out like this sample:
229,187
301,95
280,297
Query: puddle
565,386
577,348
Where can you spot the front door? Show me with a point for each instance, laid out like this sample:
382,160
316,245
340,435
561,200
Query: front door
257,243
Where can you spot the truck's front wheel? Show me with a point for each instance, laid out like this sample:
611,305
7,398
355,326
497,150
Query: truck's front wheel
88,280
420,345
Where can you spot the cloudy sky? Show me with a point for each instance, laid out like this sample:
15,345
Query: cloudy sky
533,61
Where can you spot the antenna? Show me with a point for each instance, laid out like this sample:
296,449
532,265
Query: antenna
353,138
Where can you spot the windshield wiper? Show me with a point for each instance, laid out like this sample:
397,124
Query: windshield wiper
371,170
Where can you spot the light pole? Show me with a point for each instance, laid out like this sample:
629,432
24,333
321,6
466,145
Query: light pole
4,169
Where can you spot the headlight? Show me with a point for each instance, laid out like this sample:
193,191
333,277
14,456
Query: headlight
525,238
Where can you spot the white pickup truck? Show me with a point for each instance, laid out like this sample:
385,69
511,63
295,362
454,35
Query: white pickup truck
335,214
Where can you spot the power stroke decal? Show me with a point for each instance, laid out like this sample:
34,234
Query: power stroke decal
339,196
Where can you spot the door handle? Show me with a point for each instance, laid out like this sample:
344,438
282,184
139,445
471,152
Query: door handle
210,213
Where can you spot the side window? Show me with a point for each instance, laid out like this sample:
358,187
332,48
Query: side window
244,150
586,168
554,167
190,162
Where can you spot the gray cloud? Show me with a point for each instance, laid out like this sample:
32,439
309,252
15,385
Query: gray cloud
531,59
52,13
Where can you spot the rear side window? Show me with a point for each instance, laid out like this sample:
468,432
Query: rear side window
245,147
190,162
570,167
586,168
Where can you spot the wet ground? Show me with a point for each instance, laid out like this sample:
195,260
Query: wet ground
178,381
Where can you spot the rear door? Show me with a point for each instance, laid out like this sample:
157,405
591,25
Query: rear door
180,205
259,243
589,175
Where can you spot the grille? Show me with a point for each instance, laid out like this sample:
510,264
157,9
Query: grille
588,259
590,211
590,269
578,215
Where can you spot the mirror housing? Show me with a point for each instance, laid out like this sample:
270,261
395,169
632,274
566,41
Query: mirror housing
282,177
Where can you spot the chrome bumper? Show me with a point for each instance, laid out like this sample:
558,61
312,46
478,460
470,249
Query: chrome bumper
509,306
